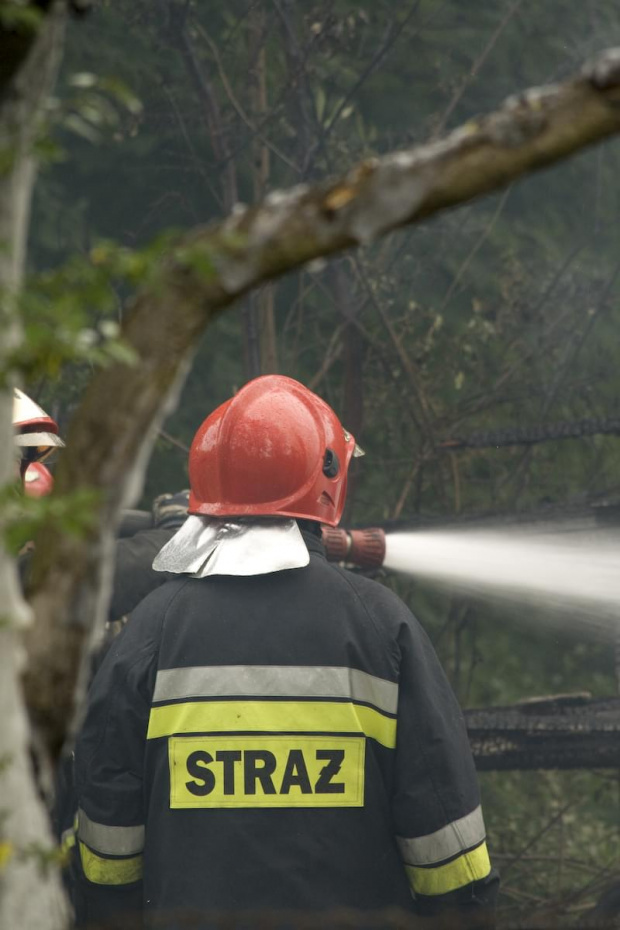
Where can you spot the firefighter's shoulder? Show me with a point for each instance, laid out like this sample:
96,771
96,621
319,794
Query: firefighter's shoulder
144,625
384,605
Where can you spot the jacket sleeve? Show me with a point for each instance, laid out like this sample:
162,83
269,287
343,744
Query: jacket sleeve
109,774
436,803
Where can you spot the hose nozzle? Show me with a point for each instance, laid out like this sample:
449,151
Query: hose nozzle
364,548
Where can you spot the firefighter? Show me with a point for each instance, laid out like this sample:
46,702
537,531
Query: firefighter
134,577
36,439
270,731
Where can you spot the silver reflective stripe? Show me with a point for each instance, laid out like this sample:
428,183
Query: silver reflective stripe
276,681
443,844
111,841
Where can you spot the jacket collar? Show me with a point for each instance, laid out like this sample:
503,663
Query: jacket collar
232,546
314,544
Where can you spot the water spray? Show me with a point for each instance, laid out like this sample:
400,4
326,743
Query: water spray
566,565
569,568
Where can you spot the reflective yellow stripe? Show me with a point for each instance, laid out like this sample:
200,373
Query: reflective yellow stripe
470,867
448,841
110,840
102,871
271,717
275,681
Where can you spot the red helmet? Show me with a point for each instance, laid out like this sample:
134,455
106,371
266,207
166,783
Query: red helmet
274,449
38,480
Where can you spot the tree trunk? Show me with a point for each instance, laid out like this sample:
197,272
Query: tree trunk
31,894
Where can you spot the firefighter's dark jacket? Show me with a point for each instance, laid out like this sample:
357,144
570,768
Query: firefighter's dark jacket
278,741
134,576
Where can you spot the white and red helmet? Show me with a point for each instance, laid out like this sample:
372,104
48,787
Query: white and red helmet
36,434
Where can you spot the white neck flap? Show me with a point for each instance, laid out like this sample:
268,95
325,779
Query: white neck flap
208,546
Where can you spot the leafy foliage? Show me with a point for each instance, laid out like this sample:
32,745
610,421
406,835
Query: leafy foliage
23,516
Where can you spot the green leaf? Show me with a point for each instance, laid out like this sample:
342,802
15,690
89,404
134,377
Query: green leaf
24,516
20,17
83,79
80,127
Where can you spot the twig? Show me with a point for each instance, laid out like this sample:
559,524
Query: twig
174,442
537,309
457,482
404,494
538,836
570,358
256,131
332,353
519,893
575,863
378,350
475,249
475,68
188,141
407,365
391,36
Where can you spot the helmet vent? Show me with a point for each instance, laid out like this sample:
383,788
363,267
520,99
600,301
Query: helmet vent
331,465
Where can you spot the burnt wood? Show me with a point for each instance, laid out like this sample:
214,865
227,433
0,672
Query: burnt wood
556,732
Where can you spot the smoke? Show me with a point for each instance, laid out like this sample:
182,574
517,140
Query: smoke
560,568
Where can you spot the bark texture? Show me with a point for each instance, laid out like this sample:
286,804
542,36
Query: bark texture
30,892
113,430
